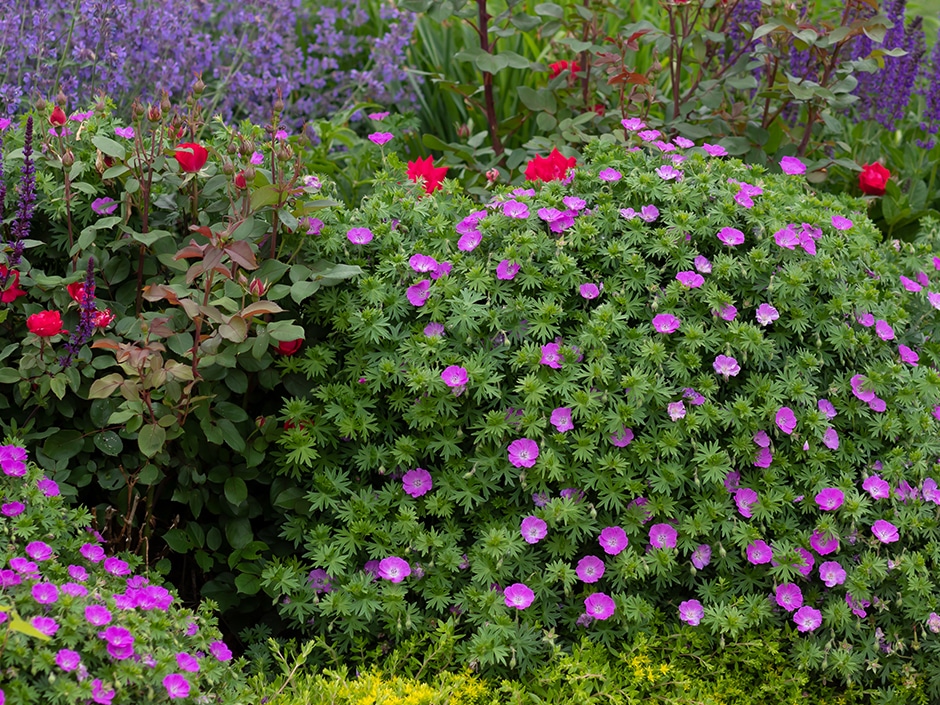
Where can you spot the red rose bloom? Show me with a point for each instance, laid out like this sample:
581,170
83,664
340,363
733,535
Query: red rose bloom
559,66
45,324
289,347
103,319
57,118
12,291
873,179
191,157
241,182
76,291
425,169
549,168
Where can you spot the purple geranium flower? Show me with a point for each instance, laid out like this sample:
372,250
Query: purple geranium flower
394,569
727,313
609,175
561,419
831,439
668,172
507,270
187,662
125,132
766,314
792,166
744,498
590,569
786,420
731,236
885,531
515,209
692,280
551,356
176,686
876,487
702,556
841,223
359,236
823,543
884,330
12,509
832,573
380,138
45,593
599,606
422,263
666,323
714,150
418,293
433,330
39,551
830,499
97,616
589,291
455,376
518,596
469,241
68,660
633,124
789,596
702,264
649,213
758,553
726,366
220,650
417,482
533,529
826,407
104,206
523,453
908,355
691,612
613,540
663,536
676,410
807,619
623,438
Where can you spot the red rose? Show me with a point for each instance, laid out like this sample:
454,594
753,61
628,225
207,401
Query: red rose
289,347
191,157
873,179
76,291
425,169
559,66
12,291
57,118
103,319
241,182
45,324
554,166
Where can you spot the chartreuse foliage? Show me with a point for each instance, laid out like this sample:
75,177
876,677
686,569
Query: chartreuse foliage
699,481
78,627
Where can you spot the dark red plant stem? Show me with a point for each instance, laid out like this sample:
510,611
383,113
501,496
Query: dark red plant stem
483,32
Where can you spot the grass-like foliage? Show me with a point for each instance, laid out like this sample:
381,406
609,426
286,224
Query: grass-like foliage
676,389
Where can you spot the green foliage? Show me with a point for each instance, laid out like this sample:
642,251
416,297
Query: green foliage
38,527
378,407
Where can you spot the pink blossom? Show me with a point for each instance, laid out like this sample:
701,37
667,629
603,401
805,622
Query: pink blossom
455,376
766,314
826,407
910,284
831,439
908,355
786,420
97,616
702,556
792,166
561,419
599,606
533,529
515,209
691,612
789,596
787,237
394,569
39,551
187,662
764,458
613,540
666,323
609,175
758,553
574,203
551,356
841,223
702,264
885,531
623,438
381,138
731,236
726,366
934,299
518,596
378,117
857,605
418,294
629,213
68,660
468,242
633,124
714,150
417,482
589,291
807,619
832,573
857,383
668,173
433,330
690,279
47,625
727,313
823,543
116,566
45,593
422,263
590,569
649,135
830,499
683,142
176,686
507,270
663,536
676,410
220,650
762,439
744,498
649,213
805,566
359,236
884,330
523,453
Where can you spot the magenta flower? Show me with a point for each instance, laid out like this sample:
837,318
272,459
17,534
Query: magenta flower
45,593
731,236
623,438
857,383
666,323
589,291
787,237
48,487
628,213
378,116
97,616
806,562
877,404
789,596
702,556
807,619
220,651
691,612
609,175
762,439
714,150
518,596
931,490
99,695
418,294
910,284
695,399
841,223
73,589
702,264
726,366
590,569
792,166
830,499
613,540
826,407
47,625
455,376
551,356
470,241
649,135
663,536
422,263
187,662
125,132
104,206
507,270
523,453
786,420
831,439
116,566
515,209
876,487
359,236
933,622
381,138
934,299
599,606
649,213
12,466
832,573
39,551
885,531
434,330
676,410
728,313
117,636
823,543
574,203
394,569
884,330
758,553
908,355
667,173
417,482
857,606
176,686
764,458
533,529
561,419
744,498
690,279
633,124
68,660
12,509
766,314
443,269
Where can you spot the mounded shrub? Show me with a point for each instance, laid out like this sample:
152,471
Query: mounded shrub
81,627
661,389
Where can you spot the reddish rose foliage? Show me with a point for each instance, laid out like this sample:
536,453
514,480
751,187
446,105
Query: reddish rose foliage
425,169
45,324
549,168
191,157
873,179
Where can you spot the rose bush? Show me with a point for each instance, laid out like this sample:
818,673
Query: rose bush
701,412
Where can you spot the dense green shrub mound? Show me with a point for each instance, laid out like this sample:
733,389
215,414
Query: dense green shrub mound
80,627
712,361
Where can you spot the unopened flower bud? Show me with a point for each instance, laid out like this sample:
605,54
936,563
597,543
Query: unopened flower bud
463,130
57,117
249,173
68,159
137,110
40,105
492,175
257,287
231,148
278,105
227,167
61,99
165,103
284,153
198,86
241,182
154,113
